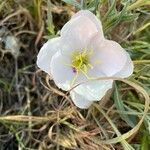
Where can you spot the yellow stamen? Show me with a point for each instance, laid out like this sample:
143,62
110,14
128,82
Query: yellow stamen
80,63
80,60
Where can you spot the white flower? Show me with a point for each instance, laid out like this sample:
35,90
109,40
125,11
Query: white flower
82,53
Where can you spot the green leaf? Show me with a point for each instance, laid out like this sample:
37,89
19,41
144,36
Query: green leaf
120,106
145,142
110,11
50,25
73,2
93,5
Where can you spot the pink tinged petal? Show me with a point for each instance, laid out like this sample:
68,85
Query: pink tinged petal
111,56
93,18
79,100
77,32
95,71
127,70
94,90
46,52
62,73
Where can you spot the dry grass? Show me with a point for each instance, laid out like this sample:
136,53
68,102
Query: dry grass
35,114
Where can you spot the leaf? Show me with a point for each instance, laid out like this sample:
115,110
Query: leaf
145,142
114,17
73,2
50,25
92,6
110,11
120,106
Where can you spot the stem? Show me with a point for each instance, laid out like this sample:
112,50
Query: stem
83,4
16,80
141,62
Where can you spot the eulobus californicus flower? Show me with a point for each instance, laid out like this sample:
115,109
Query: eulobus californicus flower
81,53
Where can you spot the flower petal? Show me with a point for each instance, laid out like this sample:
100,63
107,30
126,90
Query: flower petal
94,90
62,73
77,32
92,17
127,69
111,56
79,100
46,53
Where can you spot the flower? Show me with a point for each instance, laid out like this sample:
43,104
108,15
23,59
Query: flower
81,53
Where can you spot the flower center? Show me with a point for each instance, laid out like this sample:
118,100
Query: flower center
80,61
